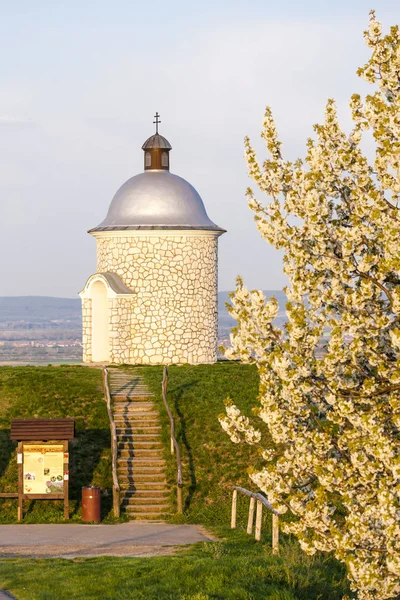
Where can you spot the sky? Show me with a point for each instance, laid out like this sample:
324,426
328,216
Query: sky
80,81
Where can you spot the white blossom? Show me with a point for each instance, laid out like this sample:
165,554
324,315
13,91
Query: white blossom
330,378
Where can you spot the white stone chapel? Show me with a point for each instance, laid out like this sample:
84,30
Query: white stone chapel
153,299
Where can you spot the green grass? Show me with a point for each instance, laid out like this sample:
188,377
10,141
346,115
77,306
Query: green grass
50,392
237,569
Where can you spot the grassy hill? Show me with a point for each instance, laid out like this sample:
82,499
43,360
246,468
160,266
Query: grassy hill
211,463
235,568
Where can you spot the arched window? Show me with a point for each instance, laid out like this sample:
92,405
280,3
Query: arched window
148,159
164,159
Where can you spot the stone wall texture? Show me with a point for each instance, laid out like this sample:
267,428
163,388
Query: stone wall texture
87,329
171,316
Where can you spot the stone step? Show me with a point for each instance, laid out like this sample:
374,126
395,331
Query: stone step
141,430
141,462
127,431
141,427
160,493
139,444
145,501
150,508
132,421
138,415
129,438
162,509
125,387
129,390
144,486
134,471
120,407
132,383
140,477
140,452
139,440
130,399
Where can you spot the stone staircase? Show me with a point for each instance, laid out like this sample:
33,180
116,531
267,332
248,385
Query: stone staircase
141,466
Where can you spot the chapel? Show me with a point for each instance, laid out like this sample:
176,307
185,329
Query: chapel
153,299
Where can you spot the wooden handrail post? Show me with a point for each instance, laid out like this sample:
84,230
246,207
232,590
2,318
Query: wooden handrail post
258,521
261,501
116,502
234,505
114,446
179,499
275,534
251,516
174,444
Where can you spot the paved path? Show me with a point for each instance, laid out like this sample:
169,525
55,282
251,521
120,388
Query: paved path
71,541
5,596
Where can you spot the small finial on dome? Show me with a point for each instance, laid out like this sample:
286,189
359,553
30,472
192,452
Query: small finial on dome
157,121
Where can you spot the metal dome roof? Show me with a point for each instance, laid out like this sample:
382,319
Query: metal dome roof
156,200
156,141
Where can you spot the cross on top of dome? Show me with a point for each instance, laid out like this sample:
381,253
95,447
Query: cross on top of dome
157,121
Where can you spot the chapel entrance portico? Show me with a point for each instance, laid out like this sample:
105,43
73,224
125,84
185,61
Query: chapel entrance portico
101,298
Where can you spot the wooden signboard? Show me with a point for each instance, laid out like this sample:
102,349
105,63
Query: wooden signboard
43,459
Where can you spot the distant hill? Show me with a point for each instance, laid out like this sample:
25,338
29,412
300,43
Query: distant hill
39,309
47,311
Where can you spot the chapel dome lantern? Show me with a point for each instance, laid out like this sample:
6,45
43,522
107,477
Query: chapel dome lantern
156,150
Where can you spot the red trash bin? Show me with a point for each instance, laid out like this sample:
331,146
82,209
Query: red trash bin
91,503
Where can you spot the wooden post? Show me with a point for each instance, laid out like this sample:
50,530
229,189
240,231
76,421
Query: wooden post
179,498
172,446
116,502
258,521
20,455
275,534
66,480
251,516
234,503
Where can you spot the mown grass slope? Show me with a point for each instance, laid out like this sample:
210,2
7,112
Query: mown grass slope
50,392
211,462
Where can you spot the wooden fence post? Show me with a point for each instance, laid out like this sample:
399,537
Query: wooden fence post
258,521
251,516
234,503
179,499
275,534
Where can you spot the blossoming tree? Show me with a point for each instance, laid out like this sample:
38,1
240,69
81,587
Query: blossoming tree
330,378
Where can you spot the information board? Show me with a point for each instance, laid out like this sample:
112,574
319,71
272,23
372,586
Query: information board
43,468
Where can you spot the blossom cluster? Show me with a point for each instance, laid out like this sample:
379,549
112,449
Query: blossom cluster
330,377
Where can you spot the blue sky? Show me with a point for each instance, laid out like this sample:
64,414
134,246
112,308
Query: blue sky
80,84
